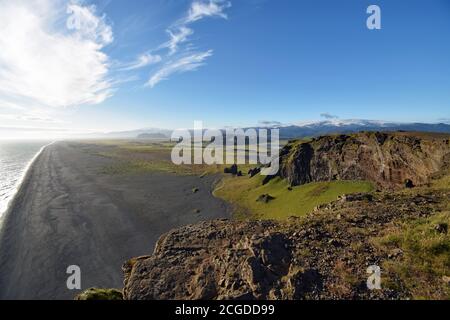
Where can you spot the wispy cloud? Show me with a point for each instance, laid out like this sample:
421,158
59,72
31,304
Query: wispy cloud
201,9
177,37
90,26
44,64
184,64
327,115
179,40
269,123
142,61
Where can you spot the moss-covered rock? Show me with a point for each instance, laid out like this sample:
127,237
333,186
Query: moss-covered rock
100,294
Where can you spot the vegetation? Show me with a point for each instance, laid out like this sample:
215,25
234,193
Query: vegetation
100,294
133,157
424,246
243,193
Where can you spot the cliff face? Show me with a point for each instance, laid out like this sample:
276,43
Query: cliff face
323,256
387,159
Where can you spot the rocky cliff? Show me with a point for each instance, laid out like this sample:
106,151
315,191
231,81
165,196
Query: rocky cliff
322,256
387,159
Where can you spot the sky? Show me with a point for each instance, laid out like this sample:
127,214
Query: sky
72,66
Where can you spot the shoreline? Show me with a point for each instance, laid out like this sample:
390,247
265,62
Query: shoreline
66,212
21,181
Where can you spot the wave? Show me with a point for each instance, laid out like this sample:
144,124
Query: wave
20,181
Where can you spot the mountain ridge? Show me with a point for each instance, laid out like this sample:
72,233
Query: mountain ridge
306,129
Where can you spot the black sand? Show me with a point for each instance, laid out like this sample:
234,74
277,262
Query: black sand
69,213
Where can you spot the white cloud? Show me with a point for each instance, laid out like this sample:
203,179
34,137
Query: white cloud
180,34
88,25
143,60
177,37
327,115
184,64
42,63
201,9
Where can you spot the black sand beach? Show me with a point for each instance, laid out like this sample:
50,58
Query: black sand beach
68,213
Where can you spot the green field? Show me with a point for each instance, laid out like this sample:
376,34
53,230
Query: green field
243,192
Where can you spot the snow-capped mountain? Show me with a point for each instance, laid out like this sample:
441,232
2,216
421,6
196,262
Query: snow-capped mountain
311,129
303,129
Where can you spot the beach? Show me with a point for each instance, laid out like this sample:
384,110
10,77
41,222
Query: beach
68,212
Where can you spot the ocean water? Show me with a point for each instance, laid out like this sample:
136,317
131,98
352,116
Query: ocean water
15,159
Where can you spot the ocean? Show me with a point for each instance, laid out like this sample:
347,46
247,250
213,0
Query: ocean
15,159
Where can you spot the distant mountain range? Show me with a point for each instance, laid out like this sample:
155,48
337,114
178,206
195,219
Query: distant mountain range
307,129
319,128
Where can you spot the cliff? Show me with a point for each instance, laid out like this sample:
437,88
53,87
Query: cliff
322,256
390,160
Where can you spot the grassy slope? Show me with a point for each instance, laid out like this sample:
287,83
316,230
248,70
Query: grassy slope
425,264
243,192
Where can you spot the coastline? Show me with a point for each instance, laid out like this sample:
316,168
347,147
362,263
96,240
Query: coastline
67,213
21,180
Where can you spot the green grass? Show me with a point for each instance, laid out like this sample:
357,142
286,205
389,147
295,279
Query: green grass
242,192
135,157
426,256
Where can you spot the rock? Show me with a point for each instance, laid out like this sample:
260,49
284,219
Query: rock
409,184
232,170
334,242
387,159
266,198
395,253
239,174
441,228
446,280
100,294
267,179
312,257
196,262
253,172
356,197
195,190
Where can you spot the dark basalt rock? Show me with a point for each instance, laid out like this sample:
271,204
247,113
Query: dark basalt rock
311,258
266,198
253,172
409,184
232,170
390,160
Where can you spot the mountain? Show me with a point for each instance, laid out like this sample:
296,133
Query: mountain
314,129
309,129
130,134
153,136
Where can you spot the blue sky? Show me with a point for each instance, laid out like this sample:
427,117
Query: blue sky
237,63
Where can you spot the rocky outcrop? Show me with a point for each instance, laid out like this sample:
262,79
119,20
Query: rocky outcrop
390,160
322,256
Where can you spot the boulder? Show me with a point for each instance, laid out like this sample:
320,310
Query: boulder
266,198
231,170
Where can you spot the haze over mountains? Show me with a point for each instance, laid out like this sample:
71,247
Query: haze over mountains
306,129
